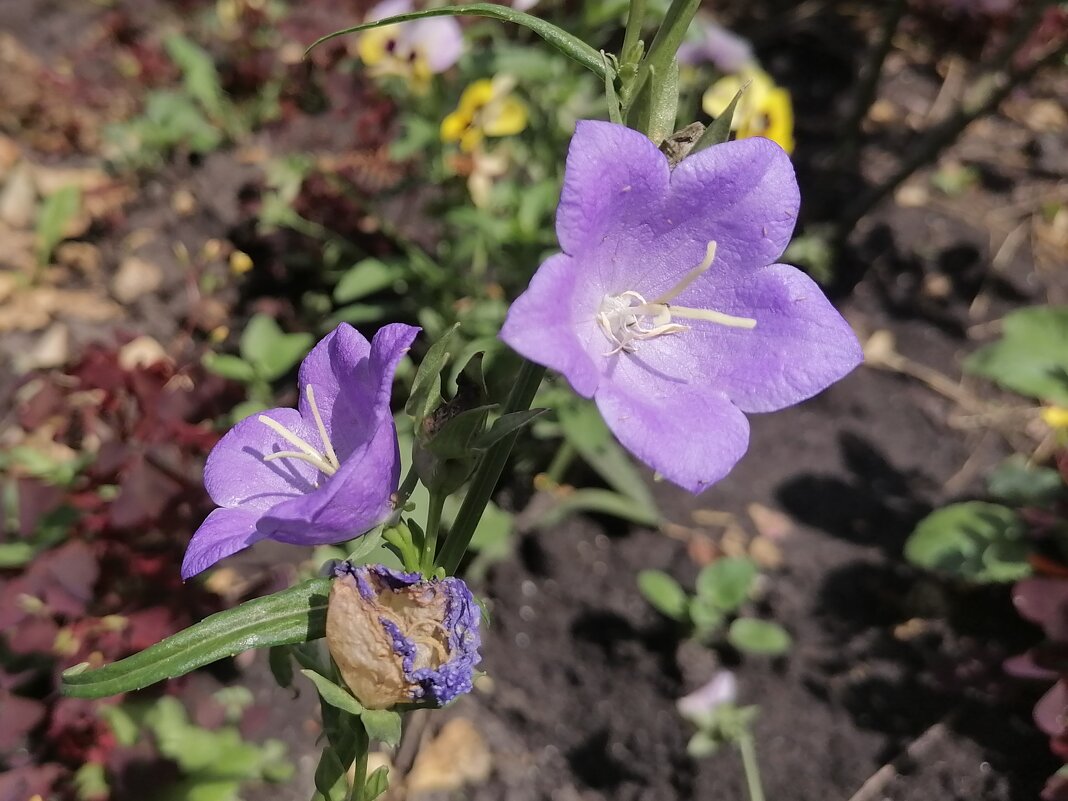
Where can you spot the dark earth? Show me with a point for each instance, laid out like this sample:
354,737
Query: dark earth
894,679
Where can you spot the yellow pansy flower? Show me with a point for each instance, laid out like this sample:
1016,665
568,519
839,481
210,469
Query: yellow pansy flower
764,108
487,109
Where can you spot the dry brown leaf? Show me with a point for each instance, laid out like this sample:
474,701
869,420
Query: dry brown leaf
456,757
136,277
144,351
770,523
18,200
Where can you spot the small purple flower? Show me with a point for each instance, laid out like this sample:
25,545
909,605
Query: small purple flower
399,638
703,703
324,472
727,51
665,306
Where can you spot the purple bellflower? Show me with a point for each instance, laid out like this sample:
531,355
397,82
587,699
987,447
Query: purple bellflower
399,638
323,472
665,306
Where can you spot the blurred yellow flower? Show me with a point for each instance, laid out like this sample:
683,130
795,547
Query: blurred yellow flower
764,109
487,109
379,52
1055,416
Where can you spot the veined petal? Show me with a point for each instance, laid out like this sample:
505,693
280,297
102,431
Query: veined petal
236,474
689,435
799,347
542,325
349,503
223,532
352,380
615,178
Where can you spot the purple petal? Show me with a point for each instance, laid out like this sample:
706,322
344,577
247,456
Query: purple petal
614,177
347,504
689,435
439,39
223,532
721,689
1051,711
728,51
800,346
389,8
236,474
541,324
352,380
1044,601
743,196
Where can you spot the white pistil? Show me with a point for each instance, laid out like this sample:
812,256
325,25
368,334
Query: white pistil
628,317
325,461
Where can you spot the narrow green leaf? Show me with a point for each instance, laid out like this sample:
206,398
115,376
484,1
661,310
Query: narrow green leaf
656,107
600,501
563,41
15,554
664,594
333,694
330,777
720,130
199,75
507,424
726,582
615,114
759,637
292,616
56,212
383,725
426,387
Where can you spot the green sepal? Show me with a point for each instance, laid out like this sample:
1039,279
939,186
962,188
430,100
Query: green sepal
425,396
377,783
720,130
563,41
383,725
334,694
292,616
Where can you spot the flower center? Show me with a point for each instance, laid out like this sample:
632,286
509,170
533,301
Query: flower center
628,317
325,461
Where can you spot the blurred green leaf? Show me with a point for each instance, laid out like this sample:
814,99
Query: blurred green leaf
270,350
726,583
15,554
664,594
91,782
703,744
200,77
758,637
58,209
707,618
426,387
228,366
280,661
365,278
599,501
720,129
976,541
1019,483
1031,357
377,783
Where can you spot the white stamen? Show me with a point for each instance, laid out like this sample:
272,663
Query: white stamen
326,462
628,317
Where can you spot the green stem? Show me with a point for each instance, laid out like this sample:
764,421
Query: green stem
407,487
664,47
489,470
747,748
433,525
561,461
363,746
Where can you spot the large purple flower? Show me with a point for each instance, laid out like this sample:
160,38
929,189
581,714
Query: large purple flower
665,306
321,473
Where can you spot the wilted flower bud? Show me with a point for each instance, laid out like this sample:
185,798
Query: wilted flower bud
399,638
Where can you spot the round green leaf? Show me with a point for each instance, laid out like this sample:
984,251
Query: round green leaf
759,637
664,594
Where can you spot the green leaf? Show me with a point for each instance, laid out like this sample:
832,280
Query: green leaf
759,637
199,75
703,744
563,41
656,108
377,783
383,725
599,501
584,428
507,424
363,279
707,618
1019,483
726,582
280,660
976,541
15,554
270,350
1031,357
664,594
295,615
233,367
333,694
426,387
720,130
91,781
330,777
58,209
364,546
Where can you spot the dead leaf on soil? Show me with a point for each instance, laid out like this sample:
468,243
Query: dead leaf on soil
52,349
456,757
18,200
770,523
135,278
35,307
144,351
